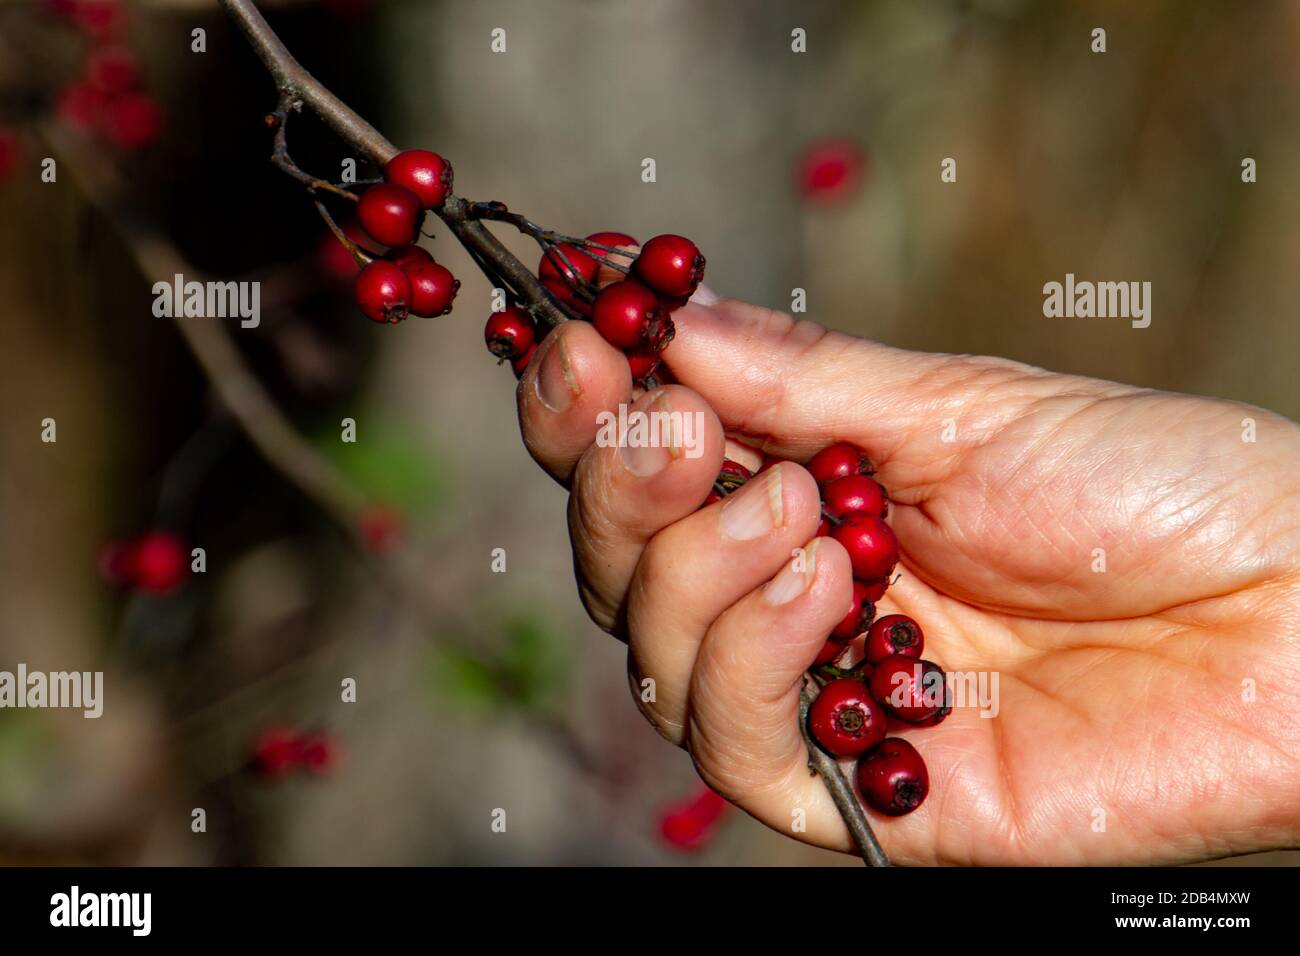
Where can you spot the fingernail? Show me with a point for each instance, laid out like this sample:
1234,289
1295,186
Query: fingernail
705,296
755,509
644,460
555,385
795,577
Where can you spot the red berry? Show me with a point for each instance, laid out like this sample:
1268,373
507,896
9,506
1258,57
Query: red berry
317,753
838,460
383,291
132,120
158,562
859,617
670,265
380,527
605,260
831,171
433,288
509,333
872,547
424,173
629,316
520,365
831,651
893,778
275,752
854,493
824,528
112,70
568,264
405,256
80,106
844,720
735,468
894,634
876,588
391,214
910,689
643,363
99,18
613,240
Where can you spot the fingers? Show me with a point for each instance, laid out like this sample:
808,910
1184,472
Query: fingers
695,569
744,731
626,491
575,375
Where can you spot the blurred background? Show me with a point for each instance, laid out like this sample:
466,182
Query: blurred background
478,691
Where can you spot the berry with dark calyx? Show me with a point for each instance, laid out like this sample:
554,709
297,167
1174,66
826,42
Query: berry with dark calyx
892,777
390,214
433,288
838,460
424,173
670,265
509,333
859,617
844,720
158,562
520,365
629,316
854,493
383,291
894,634
643,363
872,547
912,690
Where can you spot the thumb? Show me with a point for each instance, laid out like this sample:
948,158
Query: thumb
801,386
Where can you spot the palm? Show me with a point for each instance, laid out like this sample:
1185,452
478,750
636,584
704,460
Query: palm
1122,696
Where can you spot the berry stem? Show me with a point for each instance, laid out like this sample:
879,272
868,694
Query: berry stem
846,802
279,121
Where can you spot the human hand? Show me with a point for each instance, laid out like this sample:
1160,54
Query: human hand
1121,691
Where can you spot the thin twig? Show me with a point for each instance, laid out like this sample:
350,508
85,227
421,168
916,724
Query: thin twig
846,801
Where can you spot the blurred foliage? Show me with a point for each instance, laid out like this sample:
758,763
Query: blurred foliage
388,463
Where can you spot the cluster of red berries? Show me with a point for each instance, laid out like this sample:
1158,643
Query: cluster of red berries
626,290
106,99
890,687
278,751
406,281
156,562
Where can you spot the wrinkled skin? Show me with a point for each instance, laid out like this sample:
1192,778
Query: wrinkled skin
1160,696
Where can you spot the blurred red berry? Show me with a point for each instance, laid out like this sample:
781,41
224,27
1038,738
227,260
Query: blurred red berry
112,69
275,752
132,120
99,18
831,171
318,753
334,259
80,106
692,824
381,528
159,562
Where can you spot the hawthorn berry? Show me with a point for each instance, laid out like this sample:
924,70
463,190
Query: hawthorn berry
844,720
112,70
568,264
158,562
629,316
872,547
390,214
912,690
893,778
275,752
132,120
831,170
422,172
838,460
433,288
670,265
383,291
689,825
894,634
831,651
317,753
854,493
861,611
643,363
80,106
606,260
520,365
876,588
509,333
405,256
